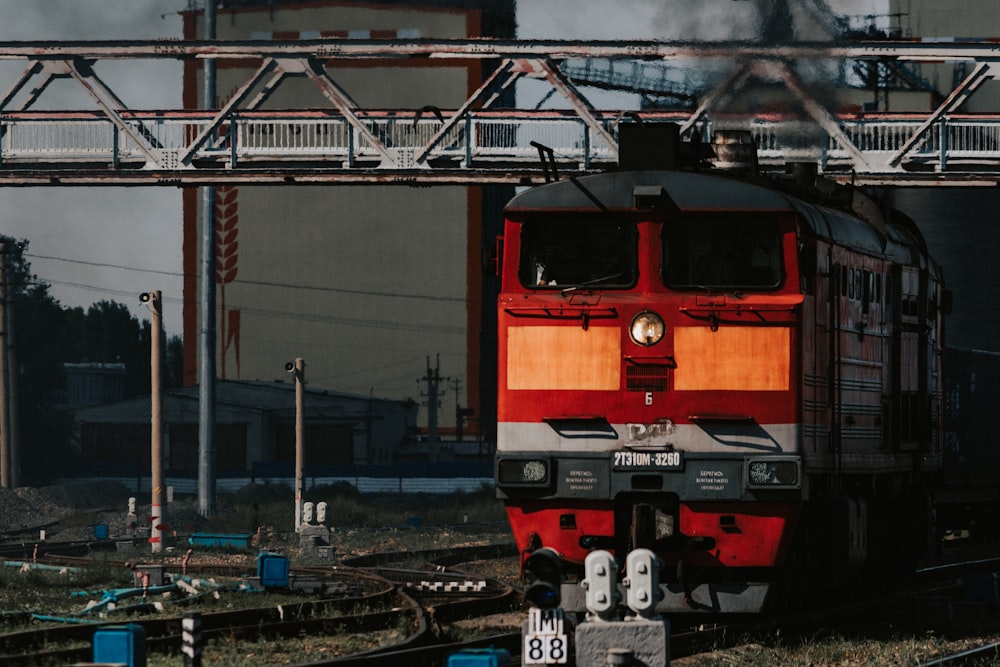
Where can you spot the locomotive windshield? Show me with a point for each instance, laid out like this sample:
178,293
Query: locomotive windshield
576,252
733,253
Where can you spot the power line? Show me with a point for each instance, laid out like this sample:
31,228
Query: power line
264,283
104,265
322,319
105,290
358,322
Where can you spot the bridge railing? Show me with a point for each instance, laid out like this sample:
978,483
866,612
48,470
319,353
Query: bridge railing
480,140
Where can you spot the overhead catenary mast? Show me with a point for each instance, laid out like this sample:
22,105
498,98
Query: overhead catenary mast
206,360
432,378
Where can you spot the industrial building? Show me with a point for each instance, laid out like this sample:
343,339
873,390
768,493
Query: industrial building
941,21
365,283
255,426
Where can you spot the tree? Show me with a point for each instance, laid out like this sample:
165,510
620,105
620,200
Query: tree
37,321
49,335
112,335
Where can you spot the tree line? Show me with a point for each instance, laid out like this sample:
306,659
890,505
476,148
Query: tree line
48,335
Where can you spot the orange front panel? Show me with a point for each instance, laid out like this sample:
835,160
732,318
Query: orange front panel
564,358
754,358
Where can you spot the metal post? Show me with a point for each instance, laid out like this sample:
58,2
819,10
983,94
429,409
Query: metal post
300,439
206,365
13,382
5,444
943,134
156,411
433,379
192,642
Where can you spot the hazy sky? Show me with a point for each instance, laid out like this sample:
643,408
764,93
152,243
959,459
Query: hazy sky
100,243
113,243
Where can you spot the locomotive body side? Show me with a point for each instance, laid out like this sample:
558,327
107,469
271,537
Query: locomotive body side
678,372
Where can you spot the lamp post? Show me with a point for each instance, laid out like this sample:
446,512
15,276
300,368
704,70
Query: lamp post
298,368
155,303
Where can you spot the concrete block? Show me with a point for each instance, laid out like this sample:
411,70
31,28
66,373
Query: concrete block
647,641
312,536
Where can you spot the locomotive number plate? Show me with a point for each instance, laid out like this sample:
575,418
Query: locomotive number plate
648,461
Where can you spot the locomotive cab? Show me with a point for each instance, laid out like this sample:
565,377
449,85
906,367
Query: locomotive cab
678,373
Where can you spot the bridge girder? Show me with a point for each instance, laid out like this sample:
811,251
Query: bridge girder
244,142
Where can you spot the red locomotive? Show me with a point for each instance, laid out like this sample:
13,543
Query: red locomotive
736,377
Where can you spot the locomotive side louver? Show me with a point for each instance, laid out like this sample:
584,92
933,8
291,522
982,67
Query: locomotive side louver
646,378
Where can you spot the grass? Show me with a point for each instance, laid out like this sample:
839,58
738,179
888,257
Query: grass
369,523
273,505
227,653
50,591
837,651
360,524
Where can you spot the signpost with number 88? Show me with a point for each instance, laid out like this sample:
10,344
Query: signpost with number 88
545,642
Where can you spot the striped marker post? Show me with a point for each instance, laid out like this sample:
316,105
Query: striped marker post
191,641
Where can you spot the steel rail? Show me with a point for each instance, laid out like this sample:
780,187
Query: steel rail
292,619
442,556
973,656
425,656
295,619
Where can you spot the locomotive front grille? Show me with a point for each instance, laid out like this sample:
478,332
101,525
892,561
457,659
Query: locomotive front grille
646,378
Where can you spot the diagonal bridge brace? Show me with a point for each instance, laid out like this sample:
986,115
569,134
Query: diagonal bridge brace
778,71
269,67
81,70
271,72
506,69
274,70
509,71
984,70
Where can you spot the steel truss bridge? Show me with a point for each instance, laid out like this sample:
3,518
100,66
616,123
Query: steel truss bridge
243,141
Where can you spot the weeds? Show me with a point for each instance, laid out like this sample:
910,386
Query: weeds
272,505
359,524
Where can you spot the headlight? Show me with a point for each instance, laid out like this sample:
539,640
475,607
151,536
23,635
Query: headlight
647,328
523,471
772,473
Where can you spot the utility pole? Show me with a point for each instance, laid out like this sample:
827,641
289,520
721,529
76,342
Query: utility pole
456,385
5,444
156,514
13,380
10,459
206,360
369,441
433,380
298,367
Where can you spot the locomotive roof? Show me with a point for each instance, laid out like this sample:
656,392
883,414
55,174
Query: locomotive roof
615,191
699,191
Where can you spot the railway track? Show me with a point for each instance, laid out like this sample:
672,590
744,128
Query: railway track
929,602
980,655
409,605
413,608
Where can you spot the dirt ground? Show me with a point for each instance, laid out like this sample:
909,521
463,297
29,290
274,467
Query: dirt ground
27,509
